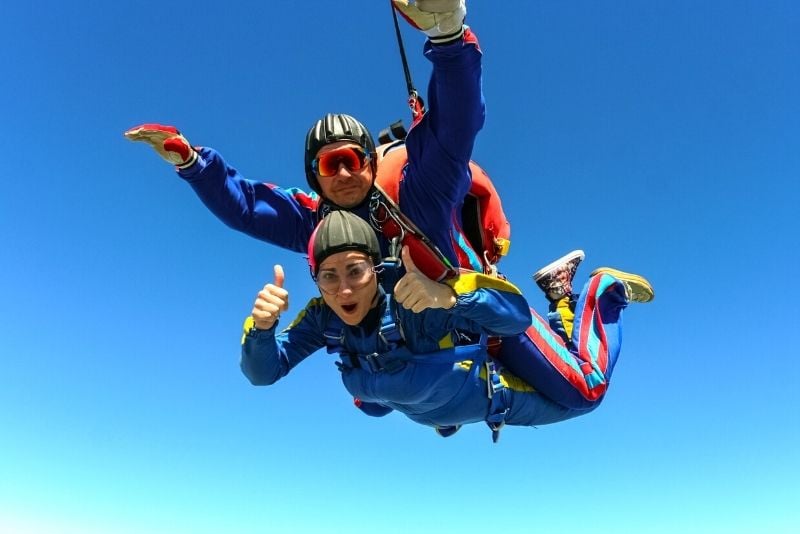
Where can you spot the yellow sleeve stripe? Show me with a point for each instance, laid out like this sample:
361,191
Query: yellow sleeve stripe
470,282
249,323
314,302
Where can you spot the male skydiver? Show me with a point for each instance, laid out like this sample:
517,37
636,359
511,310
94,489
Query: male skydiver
341,164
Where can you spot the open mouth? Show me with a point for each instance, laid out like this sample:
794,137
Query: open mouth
349,308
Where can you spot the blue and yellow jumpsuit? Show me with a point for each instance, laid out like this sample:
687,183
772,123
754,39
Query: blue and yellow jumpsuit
419,374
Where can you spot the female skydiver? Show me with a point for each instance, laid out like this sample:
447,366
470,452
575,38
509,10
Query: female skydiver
396,351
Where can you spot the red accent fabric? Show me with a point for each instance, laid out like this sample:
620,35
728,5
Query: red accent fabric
425,259
491,217
587,324
570,375
310,252
305,200
157,127
179,146
471,38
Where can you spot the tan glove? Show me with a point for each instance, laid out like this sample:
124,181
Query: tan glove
441,20
167,141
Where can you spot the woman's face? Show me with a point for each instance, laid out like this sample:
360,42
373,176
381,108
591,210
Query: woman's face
348,285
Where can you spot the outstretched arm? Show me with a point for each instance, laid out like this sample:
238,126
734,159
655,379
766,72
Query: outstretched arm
440,145
282,217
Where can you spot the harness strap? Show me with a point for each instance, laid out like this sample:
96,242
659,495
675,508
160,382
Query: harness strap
390,334
389,268
498,405
386,216
415,101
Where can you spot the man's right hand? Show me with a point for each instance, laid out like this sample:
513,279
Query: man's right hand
271,301
167,141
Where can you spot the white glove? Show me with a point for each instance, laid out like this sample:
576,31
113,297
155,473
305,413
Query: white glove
167,141
441,20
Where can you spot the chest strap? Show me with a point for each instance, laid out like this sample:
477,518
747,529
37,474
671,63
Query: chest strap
389,337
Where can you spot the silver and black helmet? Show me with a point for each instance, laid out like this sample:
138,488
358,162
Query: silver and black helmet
332,128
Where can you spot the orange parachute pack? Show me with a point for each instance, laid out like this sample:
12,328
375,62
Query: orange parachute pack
484,223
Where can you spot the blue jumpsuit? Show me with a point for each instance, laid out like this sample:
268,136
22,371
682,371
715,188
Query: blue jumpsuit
435,181
429,384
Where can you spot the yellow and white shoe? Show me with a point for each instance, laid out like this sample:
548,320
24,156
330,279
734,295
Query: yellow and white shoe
637,288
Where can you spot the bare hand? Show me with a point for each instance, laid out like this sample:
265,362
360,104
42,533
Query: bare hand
417,292
271,301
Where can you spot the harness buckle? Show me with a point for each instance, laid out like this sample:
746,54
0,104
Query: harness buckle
490,268
381,365
493,381
498,408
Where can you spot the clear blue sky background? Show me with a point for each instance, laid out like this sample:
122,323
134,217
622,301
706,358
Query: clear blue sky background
661,137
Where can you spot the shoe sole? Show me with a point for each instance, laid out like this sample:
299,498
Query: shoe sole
640,289
575,254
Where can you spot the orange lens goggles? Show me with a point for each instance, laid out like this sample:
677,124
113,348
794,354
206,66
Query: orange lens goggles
327,164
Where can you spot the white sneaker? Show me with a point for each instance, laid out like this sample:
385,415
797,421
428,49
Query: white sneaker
555,278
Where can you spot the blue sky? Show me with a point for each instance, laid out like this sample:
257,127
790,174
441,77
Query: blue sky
660,137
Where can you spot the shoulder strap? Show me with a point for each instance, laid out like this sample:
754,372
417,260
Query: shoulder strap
334,334
391,332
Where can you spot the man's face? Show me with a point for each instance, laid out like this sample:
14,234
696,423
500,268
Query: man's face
346,188
348,285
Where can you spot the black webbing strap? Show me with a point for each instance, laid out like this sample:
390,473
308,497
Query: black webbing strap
414,100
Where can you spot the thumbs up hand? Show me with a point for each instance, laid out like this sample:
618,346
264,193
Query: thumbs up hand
417,292
270,302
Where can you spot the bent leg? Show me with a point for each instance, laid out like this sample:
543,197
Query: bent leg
576,375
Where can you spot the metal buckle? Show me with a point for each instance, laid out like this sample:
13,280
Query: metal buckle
380,365
374,364
493,382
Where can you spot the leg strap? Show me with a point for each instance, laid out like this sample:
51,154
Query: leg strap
498,405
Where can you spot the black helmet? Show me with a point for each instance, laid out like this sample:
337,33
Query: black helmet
331,129
340,231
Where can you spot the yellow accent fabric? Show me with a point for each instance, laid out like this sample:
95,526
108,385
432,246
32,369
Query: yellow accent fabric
464,364
567,315
515,383
502,246
509,380
315,302
446,342
468,282
249,323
